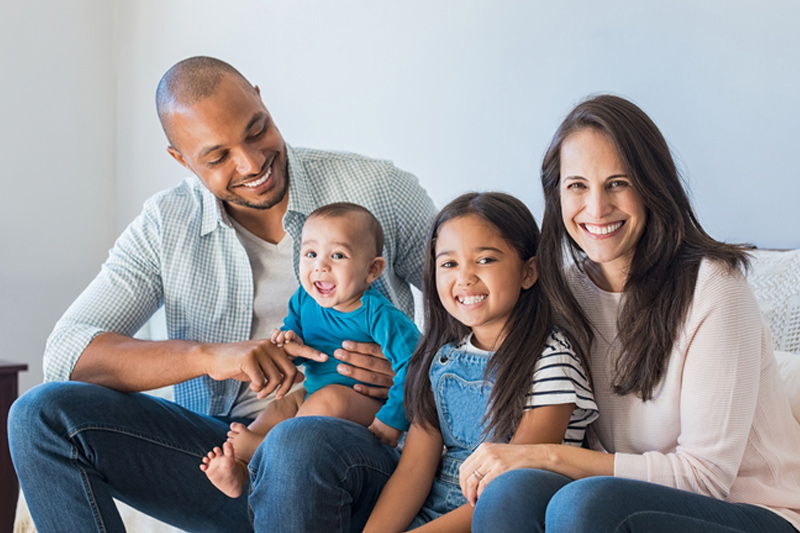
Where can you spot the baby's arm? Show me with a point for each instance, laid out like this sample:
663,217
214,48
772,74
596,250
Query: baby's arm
407,489
387,434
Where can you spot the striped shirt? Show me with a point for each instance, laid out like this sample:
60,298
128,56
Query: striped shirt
558,378
182,252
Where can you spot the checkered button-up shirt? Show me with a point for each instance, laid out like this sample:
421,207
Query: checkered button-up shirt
183,253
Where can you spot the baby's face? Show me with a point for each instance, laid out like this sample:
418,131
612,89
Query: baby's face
336,261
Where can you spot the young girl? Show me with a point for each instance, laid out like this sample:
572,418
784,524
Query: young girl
489,366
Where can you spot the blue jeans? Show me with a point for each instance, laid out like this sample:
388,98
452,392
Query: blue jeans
318,474
536,500
75,446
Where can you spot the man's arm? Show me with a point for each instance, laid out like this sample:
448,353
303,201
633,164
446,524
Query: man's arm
130,365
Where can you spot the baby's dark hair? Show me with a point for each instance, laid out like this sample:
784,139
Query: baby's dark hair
511,367
370,224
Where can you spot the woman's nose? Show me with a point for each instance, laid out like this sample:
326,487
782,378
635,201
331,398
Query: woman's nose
598,204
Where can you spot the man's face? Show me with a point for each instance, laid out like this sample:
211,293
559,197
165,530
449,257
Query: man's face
230,142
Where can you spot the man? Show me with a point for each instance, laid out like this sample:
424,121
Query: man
220,253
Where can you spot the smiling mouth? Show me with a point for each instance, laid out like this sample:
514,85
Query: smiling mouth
602,230
469,300
324,287
261,180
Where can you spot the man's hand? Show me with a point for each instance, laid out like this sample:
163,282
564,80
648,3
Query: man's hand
385,433
267,367
366,362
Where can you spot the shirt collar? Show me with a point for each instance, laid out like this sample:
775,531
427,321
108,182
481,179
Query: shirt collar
299,187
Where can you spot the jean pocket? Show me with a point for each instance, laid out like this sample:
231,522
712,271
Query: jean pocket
462,406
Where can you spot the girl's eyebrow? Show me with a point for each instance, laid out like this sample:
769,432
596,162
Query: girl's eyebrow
478,250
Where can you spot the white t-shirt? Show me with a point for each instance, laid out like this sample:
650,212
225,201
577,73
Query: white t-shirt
273,285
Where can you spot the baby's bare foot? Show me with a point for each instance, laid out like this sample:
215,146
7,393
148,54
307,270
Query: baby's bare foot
227,473
244,441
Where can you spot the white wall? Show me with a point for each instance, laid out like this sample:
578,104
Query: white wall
465,94
56,155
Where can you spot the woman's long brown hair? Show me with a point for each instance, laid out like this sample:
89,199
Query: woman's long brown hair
663,271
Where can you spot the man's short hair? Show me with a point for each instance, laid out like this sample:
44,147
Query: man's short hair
189,81
370,224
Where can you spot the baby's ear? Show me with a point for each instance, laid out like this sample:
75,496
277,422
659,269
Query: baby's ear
375,268
530,273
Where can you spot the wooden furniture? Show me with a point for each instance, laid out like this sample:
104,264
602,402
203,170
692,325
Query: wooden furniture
9,388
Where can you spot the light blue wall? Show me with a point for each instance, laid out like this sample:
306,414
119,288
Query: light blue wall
465,94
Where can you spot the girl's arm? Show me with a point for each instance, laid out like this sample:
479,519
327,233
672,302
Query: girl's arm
405,492
546,424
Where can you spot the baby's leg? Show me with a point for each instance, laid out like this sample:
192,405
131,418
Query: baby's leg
341,402
227,473
246,439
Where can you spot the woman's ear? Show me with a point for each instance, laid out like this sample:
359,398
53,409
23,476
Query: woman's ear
530,273
375,268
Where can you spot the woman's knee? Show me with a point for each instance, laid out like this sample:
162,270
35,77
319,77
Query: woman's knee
516,501
584,505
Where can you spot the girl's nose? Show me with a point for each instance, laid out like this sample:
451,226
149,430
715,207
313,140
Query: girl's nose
466,277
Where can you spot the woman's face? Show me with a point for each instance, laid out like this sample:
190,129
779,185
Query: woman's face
599,206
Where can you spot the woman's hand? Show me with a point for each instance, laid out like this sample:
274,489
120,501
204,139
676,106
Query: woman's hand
492,459
366,363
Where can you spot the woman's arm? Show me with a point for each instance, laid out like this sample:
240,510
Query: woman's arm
405,492
540,430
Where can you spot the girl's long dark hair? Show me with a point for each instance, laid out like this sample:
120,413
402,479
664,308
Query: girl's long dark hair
663,272
511,366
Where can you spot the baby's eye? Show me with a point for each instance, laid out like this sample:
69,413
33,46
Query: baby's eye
338,255
311,254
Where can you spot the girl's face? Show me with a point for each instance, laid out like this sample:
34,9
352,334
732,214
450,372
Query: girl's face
479,276
599,206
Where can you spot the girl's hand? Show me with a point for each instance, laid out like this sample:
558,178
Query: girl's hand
491,459
386,434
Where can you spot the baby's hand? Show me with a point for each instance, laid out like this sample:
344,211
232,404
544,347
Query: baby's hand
386,434
279,337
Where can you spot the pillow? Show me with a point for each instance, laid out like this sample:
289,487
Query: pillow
789,367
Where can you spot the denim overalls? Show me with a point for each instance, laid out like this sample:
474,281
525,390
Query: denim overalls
461,395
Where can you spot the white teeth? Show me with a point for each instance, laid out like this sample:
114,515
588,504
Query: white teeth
602,230
259,181
469,300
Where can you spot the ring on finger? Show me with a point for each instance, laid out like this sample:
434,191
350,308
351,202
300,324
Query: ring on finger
477,475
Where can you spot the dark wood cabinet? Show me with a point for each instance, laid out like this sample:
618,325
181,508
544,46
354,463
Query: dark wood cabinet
9,389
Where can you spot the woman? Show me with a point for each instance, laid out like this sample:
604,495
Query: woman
695,432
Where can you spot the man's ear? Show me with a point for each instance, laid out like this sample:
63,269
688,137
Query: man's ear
530,273
375,268
177,156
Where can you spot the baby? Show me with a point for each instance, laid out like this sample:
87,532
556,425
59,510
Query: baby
340,256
